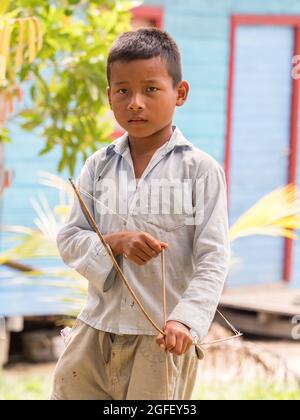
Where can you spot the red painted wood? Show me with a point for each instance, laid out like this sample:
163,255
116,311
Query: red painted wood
2,171
274,20
229,106
8,179
5,176
152,13
293,161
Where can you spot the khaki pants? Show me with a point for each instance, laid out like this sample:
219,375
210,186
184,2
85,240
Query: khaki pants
98,365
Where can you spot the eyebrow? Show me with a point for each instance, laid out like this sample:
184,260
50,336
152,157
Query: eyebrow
124,82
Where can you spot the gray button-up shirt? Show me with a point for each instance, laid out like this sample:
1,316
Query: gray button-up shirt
192,220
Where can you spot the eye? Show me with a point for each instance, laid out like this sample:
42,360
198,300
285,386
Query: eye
152,89
122,91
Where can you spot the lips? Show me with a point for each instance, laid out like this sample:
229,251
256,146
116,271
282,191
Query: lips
137,120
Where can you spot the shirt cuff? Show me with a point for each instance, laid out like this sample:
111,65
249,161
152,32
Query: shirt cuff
99,265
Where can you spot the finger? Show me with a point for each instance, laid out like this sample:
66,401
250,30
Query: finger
144,247
179,346
170,340
153,243
135,252
137,260
164,245
185,346
160,340
142,255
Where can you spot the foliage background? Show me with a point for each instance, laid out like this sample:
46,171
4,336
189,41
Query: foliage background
68,83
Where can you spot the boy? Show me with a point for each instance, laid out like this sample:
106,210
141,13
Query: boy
111,352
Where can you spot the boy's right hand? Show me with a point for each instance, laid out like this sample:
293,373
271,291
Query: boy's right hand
139,247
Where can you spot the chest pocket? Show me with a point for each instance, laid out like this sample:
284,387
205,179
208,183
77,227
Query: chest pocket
168,211
167,222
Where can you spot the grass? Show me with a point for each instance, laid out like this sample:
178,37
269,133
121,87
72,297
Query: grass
22,386
249,391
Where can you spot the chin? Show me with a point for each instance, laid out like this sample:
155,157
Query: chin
140,131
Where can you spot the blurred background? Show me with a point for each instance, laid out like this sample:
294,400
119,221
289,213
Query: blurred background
242,60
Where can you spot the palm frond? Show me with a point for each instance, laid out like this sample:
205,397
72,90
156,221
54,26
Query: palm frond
24,230
32,246
62,211
54,181
276,214
46,220
34,243
64,189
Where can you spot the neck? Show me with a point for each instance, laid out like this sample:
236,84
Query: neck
142,146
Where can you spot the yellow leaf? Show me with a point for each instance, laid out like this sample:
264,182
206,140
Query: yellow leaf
2,70
19,53
6,42
38,33
5,34
31,40
5,39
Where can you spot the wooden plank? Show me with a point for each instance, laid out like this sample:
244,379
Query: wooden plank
274,299
256,324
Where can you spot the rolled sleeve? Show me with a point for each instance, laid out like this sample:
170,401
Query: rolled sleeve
211,252
78,245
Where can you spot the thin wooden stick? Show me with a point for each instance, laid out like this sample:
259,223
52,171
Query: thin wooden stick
165,318
115,263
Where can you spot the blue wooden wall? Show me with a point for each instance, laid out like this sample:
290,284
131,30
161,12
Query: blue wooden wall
201,28
260,140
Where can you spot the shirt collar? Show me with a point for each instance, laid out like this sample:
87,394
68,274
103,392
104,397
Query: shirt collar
177,139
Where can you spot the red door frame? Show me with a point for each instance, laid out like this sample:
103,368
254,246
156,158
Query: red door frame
155,14
2,171
152,13
5,176
292,21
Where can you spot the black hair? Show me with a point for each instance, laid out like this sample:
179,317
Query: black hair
147,43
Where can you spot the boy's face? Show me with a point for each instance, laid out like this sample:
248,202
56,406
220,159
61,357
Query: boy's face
142,96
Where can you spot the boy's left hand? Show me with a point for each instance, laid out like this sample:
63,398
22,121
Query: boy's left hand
177,339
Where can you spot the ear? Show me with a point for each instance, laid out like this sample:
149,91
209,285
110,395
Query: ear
182,92
108,92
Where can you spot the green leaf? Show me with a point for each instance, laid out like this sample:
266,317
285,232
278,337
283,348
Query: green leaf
74,1
4,135
46,149
63,161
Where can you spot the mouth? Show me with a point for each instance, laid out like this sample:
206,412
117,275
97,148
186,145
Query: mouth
137,121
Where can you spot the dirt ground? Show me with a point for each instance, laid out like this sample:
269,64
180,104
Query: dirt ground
288,350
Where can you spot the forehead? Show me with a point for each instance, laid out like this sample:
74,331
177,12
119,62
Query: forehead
139,70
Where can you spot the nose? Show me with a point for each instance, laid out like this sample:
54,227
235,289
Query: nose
136,103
